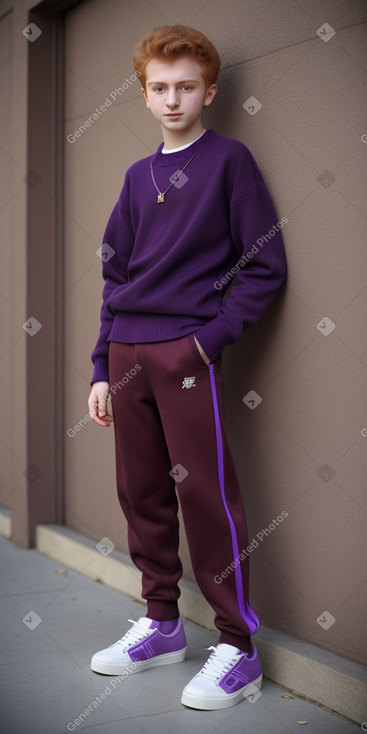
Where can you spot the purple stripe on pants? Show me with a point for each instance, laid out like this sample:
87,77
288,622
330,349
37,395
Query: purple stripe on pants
245,610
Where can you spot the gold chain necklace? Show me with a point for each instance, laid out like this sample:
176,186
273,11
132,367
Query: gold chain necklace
162,194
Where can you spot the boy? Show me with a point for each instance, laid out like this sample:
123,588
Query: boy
187,219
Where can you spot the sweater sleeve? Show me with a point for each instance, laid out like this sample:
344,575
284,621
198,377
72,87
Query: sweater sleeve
260,270
118,241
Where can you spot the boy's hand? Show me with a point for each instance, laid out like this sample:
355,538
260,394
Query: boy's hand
97,403
201,350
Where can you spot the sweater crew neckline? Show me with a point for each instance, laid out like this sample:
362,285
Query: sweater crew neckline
181,156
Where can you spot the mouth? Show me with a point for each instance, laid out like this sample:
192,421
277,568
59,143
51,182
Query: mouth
173,115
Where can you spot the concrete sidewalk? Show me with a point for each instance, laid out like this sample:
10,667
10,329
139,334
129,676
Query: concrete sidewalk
53,619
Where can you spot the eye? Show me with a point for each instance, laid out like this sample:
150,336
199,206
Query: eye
159,90
187,88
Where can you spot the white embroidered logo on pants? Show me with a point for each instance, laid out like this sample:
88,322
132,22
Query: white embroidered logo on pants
188,382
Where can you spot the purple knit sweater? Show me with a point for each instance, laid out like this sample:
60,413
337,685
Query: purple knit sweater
168,265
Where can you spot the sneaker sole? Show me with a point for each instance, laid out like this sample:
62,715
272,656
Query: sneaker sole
215,704
139,665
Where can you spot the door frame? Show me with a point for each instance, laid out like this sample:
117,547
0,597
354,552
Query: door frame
39,495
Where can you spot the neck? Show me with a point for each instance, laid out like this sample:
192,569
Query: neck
176,138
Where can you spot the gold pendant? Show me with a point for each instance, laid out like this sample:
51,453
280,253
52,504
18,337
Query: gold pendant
160,198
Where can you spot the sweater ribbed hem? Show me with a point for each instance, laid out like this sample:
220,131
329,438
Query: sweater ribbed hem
135,328
138,328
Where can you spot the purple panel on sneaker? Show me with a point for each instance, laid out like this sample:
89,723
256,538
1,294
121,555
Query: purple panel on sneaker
243,673
165,626
158,644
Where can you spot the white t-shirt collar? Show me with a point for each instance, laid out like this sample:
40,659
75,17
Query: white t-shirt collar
176,150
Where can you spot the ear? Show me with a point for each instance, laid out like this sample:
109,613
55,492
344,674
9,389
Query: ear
210,94
145,97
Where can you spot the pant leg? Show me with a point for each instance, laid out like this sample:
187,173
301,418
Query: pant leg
190,400
145,488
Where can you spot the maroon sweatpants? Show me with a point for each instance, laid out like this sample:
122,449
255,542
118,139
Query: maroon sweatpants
169,435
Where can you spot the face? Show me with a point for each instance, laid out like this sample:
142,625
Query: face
175,93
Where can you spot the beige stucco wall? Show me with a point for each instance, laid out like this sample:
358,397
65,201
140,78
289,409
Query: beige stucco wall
312,385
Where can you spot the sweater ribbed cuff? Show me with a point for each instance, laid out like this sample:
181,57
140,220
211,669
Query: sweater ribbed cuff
100,372
213,337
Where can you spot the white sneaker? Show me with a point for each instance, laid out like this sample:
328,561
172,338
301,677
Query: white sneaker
227,676
142,647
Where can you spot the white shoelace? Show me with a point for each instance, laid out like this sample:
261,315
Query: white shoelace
136,633
217,664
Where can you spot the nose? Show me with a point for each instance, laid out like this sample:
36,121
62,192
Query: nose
172,98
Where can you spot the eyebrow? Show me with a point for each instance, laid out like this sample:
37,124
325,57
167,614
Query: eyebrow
184,81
